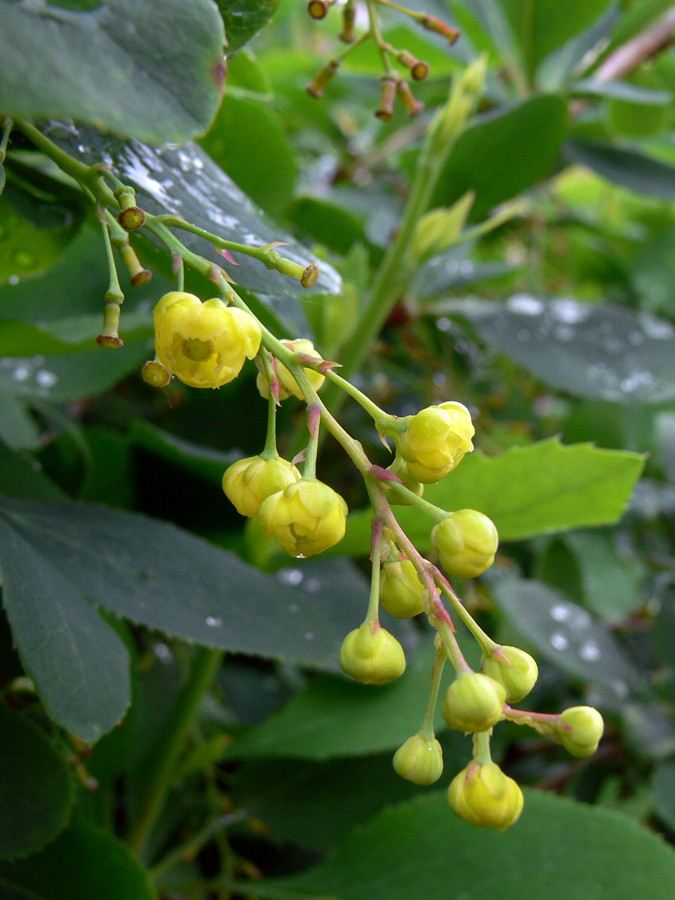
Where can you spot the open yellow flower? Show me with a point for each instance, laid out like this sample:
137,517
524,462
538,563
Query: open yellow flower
203,344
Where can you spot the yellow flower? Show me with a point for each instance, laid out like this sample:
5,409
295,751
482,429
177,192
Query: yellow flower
307,517
287,384
372,657
436,440
466,543
485,796
250,481
203,344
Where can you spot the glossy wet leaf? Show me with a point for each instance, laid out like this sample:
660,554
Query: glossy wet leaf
571,851
600,351
622,165
243,18
82,863
151,71
335,716
504,153
18,429
21,476
74,557
185,181
567,636
36,787
526,491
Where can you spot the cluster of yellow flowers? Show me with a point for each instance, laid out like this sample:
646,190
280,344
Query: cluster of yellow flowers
206,345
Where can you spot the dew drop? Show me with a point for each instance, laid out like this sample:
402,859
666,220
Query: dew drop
560,613
524,305
290,576
46,379
523,335
309,635
658,329
293,607
570,311
589,651
438,379
559,641
620,688
313,585
443,324
214,621
14,279
163,653
21,373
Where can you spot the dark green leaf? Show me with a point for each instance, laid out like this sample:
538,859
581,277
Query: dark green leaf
185,181
152,70
567,636
663,786
21,476
203,461
18,429
243,18
36,789
559,65
591,350
335,717
558,850
157,575
81,864
249,142
526,491
504,153
626,167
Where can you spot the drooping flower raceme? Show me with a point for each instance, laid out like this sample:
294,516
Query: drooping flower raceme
203,344
436,440
287,384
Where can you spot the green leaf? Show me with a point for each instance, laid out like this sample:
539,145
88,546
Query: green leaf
559,65
157,575
503,154
21,476
81,864
598,351
36,788
203,461
185,181
334,717
249,142
526,491
18,429
626,167
567,636
558,850
663,786
542,29
243,18
34,232
152,71
621,90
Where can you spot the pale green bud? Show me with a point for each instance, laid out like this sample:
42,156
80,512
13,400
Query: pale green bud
372,657
466,543
579,730
435,441
485,796
519,678
402,594
473,702
306,518
419,760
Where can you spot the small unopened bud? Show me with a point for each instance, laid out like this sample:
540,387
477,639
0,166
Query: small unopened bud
139,275
518,674
418,69
473,702
315,89
155,374
431,23
372,656
385,110
347,34
318,9
419,760
579,730
412,107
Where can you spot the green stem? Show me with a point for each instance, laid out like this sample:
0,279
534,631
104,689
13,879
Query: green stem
206,663
486,643
379,415
6,131
544,723
187,851
427,729
481,748
114,293
313,418
373,614
270,451
434,512
452,649
84,175
377,37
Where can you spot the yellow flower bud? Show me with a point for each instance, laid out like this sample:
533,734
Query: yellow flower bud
466,543
519,678
307,517
287,384
250,481
579,730
402,594
203,344
473,702
372,657
419,760
400,467
436,440
485,796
